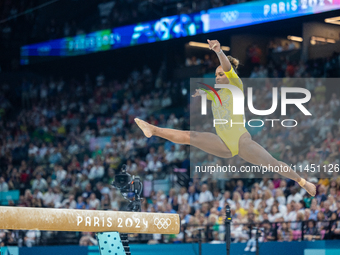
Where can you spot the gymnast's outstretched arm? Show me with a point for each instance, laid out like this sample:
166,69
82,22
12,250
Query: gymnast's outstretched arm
216,46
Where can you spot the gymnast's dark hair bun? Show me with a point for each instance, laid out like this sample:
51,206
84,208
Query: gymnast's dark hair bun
233,61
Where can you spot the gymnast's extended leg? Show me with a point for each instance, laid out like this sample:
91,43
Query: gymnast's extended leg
208,142
255,154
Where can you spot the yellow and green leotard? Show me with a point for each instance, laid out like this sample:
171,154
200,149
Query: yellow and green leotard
229,134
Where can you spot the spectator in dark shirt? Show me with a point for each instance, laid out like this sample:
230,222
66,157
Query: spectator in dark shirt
240,188
269,233
327,212
311,232
332,226
321,197
193,197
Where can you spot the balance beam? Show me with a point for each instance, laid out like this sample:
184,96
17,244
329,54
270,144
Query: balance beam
26,218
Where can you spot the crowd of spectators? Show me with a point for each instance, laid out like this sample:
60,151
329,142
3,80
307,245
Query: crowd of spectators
209,61
309,70
282,210
282,45
61,148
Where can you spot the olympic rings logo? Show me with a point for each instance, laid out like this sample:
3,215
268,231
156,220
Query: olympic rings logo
162,223
230,16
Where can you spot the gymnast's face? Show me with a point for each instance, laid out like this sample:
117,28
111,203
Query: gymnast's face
221,78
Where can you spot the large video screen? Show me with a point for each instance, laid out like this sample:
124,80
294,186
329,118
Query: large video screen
256,12
177,26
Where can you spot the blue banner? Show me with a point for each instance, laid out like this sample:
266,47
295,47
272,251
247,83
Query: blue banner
256,12
9,195
330,247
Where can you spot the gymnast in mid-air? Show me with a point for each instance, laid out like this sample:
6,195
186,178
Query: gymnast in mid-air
230,140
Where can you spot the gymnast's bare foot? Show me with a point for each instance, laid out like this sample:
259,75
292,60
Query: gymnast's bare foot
145,127
310,188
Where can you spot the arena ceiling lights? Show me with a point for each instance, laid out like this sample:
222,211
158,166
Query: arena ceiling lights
319,39
334,20
295,38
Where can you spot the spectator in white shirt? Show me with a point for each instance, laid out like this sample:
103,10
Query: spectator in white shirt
335,102
51,148
181,153
205,195
131,167
73,148
48,198
60,173
39,183
294,196
147,102
87,161
166,100
42,150
193,197
282,208
141,141
291,213
172,121
154,165
257,199
129,144
332,203
3,185
236,198
94,202
102,189
238,232
300,216
280,197
31,237
97,171
71,201
58,196
226,199
274,214
170,155
246,201
183,195
37,194
268,197
151,154
32,151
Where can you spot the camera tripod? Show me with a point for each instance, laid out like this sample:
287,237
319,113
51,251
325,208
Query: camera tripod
119,242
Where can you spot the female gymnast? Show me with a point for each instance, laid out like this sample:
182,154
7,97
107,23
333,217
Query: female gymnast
229,141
